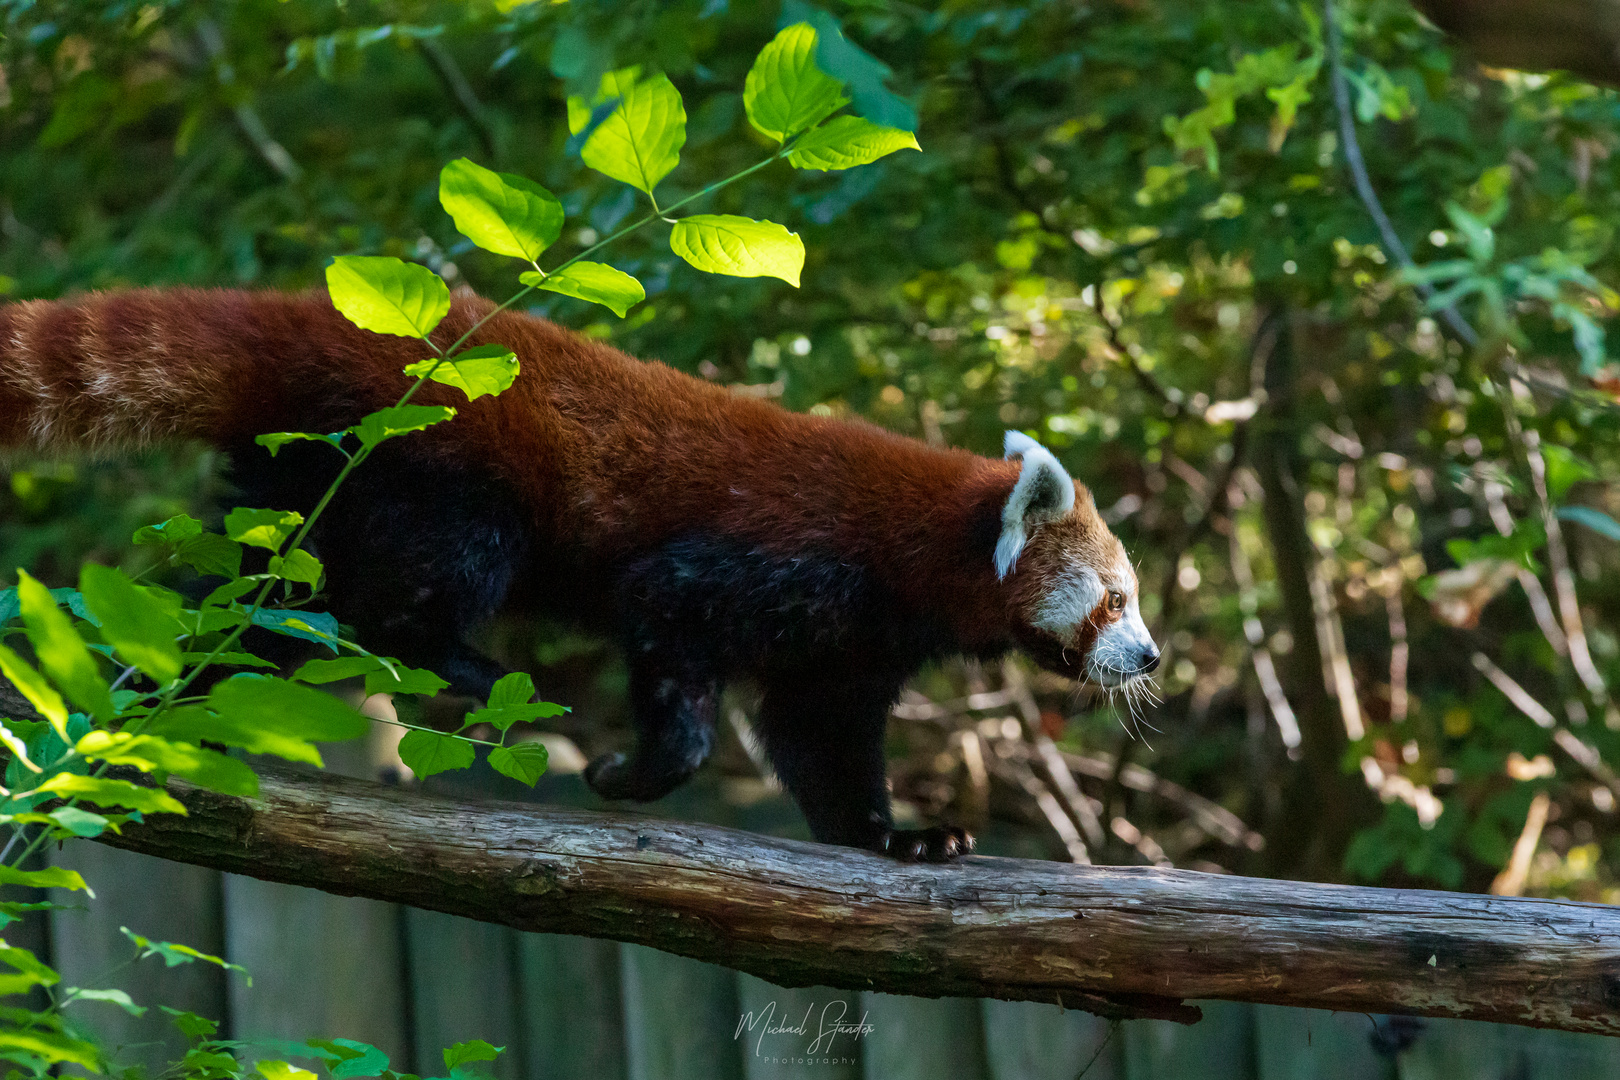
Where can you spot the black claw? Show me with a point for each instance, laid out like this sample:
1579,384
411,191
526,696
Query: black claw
943,843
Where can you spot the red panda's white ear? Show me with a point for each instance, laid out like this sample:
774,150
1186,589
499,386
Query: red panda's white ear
1044,492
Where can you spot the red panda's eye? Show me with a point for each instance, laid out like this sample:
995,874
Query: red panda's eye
1116,601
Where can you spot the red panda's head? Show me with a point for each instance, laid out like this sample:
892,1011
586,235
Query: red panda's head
1074,589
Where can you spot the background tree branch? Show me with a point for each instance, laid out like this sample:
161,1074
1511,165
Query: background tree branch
1582,36
1120,941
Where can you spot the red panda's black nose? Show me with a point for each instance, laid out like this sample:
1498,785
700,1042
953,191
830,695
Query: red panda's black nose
1150,659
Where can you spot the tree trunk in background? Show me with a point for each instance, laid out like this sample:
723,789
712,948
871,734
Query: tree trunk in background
1321,804
1581,36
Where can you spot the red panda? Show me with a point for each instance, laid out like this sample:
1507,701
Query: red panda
715,536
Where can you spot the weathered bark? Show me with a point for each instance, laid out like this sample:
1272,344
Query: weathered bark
1121,941
1581,36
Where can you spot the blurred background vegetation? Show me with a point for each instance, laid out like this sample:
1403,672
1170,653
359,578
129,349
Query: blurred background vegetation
1371,505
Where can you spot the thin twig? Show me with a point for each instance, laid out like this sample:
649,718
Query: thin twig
1358,173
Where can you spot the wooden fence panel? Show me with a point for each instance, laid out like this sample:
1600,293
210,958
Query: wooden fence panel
1566,1055
814,1049
463,978
160,900
923,1039
1028,1041
572,1008
1312,1044
323,967
1466,1050
1219,1047
680,1017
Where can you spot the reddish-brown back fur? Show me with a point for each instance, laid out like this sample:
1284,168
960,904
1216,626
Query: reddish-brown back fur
610,455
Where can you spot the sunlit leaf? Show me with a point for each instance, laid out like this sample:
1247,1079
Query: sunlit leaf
110,793
484,369
34,686
399,420
61,652
500,212
175,954
739,247
133,621
111,997
592,281
848,141
641,141
286,709
785,91
52,877
262,528
387,295
299,566
152,753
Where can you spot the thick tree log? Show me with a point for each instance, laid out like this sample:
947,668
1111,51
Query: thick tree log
1581,36
1121,941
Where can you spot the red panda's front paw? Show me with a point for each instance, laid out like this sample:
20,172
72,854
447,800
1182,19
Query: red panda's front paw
942,843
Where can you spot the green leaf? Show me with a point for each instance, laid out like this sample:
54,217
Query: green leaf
299,566
271,1069
348,1058
175,954
30,971
1596,520
524,762
500,212
79,822
18,748
50,1046
173,531
33,686
111,793
275,440
113,997
485,369
211,553
153,753
190,1024
513,688
785,91
846,142
285,709
344,667
403,680
316,626
61,651
739,247
262,528
641,141
596,282
428,752
52,877
398,420
193,723
387,295
141,627
472,1050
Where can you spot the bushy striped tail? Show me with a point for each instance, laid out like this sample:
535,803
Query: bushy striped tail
116,371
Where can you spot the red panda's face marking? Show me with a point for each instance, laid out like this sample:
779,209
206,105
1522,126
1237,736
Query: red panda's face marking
1075,591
